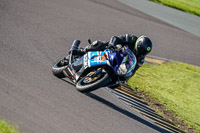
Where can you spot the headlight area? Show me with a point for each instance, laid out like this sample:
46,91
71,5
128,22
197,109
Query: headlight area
122,70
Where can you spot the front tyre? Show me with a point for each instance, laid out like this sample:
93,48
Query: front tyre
85,86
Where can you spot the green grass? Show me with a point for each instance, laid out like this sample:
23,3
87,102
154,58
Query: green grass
190,6
6,128
176,86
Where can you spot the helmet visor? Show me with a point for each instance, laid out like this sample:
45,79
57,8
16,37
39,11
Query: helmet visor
142,51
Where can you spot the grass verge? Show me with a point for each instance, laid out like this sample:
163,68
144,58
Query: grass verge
6,128
176,86
190,6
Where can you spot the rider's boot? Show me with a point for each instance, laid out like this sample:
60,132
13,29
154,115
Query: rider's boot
79,52
96,46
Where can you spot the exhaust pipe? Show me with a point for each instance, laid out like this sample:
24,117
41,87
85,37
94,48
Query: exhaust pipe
75,45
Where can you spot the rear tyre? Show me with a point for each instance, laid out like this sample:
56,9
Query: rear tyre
57,69
101,81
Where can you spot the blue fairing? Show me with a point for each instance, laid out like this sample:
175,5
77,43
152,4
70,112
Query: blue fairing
99,58
96,58
123,63
115,60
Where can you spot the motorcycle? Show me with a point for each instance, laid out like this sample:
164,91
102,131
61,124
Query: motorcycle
95,69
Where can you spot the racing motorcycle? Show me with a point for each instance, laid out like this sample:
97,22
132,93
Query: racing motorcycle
95,69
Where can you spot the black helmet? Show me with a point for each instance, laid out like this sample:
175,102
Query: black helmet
143,45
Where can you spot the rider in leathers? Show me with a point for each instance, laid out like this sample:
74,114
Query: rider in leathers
140,46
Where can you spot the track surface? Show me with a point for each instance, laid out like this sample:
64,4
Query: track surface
35,33
180,19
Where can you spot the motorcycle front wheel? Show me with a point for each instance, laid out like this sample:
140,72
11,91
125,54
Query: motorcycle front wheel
88,83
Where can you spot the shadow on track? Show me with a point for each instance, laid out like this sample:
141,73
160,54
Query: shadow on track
68,82
125,112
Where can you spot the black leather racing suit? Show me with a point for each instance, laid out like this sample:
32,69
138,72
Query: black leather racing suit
128,40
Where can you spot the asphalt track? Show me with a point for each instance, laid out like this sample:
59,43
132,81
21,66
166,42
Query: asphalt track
180,19
35,33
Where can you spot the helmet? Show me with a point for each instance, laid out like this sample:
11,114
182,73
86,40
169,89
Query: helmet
143,45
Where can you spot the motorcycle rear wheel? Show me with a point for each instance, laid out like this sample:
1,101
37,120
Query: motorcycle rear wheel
85,86
57,69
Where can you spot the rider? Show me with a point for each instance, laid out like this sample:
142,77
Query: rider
140,46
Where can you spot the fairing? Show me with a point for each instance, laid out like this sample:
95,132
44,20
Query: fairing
118,61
